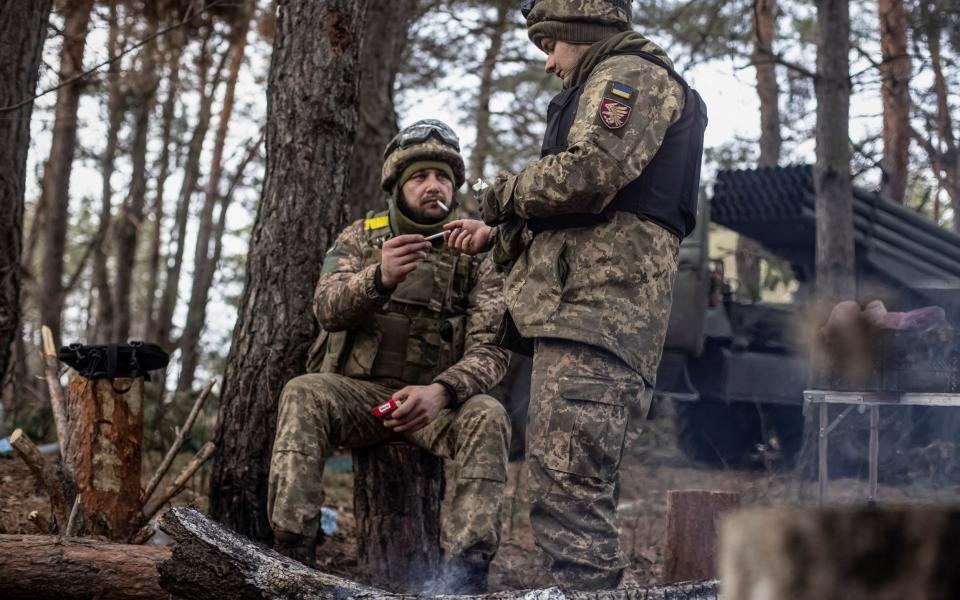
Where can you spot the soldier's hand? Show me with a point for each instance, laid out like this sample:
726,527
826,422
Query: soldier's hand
401,255
468,236
420,406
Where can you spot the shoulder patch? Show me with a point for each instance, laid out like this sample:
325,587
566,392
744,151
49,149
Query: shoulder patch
376,222
616,107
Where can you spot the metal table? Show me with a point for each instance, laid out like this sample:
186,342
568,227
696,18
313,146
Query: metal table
872,401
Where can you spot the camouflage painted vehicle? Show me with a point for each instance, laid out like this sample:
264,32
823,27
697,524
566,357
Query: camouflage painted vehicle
735,370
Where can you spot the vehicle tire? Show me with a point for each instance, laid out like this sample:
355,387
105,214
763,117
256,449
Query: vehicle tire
718,433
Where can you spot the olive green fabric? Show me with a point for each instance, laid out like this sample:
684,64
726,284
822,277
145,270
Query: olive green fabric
577,21
432,150
449,306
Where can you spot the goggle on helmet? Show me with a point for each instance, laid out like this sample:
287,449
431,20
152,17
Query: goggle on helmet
421,131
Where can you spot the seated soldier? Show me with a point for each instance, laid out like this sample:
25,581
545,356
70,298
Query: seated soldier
402,317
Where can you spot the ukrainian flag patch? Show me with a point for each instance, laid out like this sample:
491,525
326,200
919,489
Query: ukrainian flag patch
623,91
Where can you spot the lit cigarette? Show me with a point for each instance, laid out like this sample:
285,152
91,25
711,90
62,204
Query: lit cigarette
435,236
443,206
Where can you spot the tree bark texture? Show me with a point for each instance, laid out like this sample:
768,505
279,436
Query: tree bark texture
397,494
692,533
131,218
55,188
311,123
204,259
895,93
382,52
945,156
749,252
102,332
211,562
106,437
163,324
23,24
173,52
831,174
841,554
41,567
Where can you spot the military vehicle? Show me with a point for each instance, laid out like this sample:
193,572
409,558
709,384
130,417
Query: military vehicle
735,371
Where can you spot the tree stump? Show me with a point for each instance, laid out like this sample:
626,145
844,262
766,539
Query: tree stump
842,553
106,436
397,492
692,526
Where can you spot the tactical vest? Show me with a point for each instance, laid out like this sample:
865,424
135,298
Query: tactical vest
417,334
666,191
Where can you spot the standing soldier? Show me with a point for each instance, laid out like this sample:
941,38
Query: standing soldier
591,234
402,318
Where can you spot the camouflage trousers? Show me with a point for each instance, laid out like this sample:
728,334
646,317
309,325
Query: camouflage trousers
586,405
322,411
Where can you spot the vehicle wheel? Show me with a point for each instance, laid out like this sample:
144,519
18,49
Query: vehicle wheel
718,433
783,431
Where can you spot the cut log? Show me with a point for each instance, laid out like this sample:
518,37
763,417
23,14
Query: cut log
106,436
211,562
38,567
397,495
692,526
50,474
841,553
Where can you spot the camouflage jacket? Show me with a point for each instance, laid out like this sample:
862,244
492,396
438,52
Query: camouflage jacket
609,284
347,299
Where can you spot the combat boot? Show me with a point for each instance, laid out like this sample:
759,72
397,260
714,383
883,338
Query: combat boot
300,548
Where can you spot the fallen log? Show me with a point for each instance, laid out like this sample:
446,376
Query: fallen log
39,567
211,562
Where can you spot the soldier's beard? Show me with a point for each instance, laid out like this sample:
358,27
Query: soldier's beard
422,216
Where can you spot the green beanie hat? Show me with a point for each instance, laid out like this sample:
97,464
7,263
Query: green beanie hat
577,21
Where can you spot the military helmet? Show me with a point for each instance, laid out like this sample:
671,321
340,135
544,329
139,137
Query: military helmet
575,21
425,140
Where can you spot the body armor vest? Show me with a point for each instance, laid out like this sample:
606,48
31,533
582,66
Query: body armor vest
666,191
418,333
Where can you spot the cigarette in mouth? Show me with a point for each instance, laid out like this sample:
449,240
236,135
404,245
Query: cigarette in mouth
443,206
435,236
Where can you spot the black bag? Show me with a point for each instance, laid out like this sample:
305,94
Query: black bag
113,361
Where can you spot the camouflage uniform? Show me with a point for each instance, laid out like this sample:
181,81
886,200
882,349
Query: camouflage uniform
436,326
596,299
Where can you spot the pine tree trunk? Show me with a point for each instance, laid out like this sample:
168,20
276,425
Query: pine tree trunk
203,262
380,58
128,226
397,494
834,206
191,174
56,175
749,252
23,25
484,143
947,158
103,322
311,123
895,71
163,171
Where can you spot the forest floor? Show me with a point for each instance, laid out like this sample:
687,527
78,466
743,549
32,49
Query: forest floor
648,472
